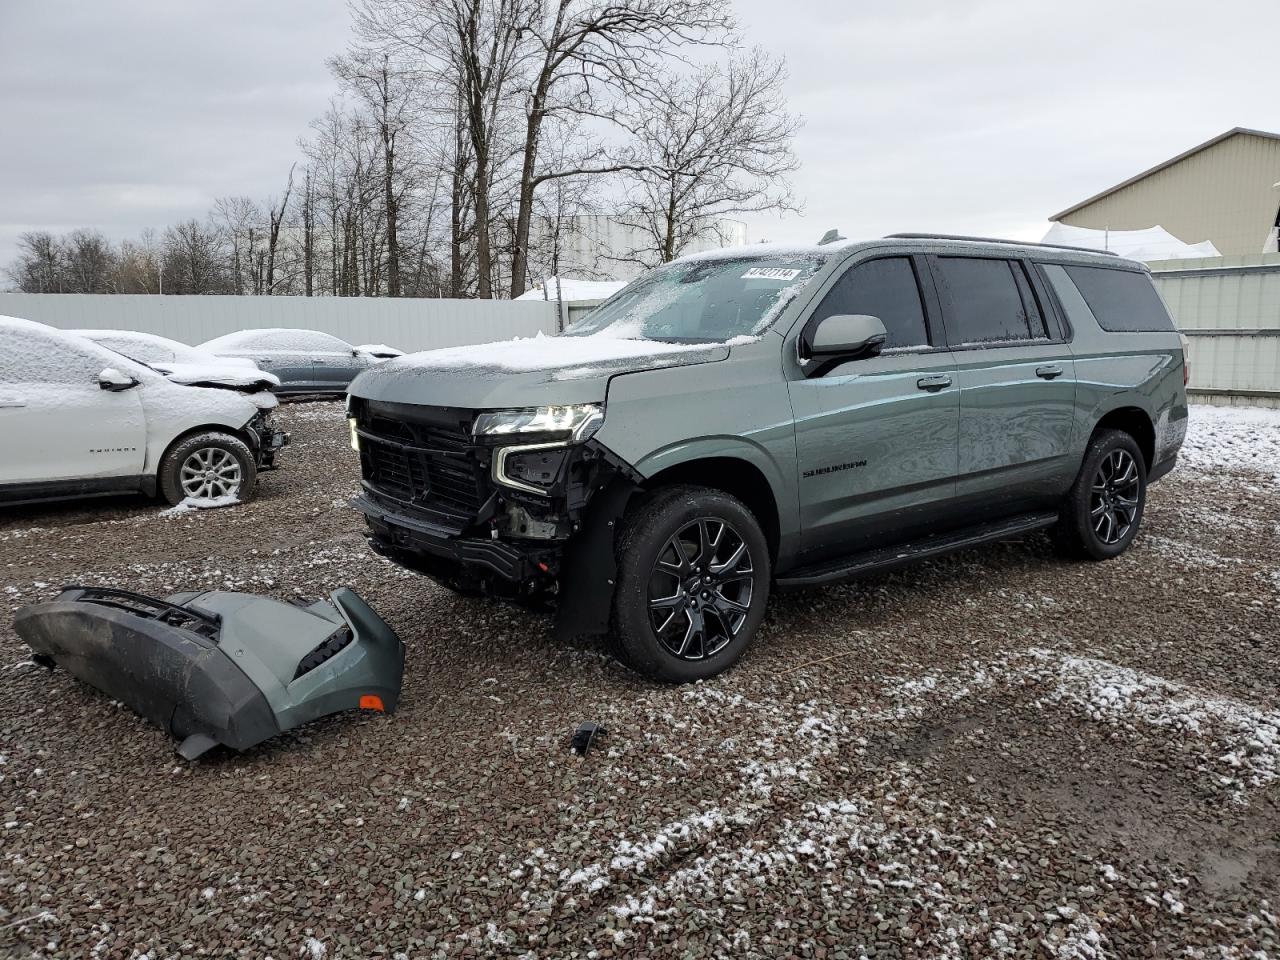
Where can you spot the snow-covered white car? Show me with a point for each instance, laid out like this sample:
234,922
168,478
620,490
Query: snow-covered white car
306,361
380,351
78,419
181,363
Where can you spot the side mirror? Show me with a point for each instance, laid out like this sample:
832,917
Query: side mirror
115,381
847,336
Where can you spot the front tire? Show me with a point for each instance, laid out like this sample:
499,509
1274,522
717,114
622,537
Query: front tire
1104,507
208,466
693,581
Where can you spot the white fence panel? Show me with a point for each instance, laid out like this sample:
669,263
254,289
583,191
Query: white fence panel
408,324
1229,308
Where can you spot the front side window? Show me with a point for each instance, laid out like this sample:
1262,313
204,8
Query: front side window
708,300
887,289
29,357
990,301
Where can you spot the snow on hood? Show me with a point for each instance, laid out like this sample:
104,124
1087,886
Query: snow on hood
525,354
226,375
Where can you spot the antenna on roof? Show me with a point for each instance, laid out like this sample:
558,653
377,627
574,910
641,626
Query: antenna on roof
831,236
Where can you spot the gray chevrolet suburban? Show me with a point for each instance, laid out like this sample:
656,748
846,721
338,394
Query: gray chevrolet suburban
762,418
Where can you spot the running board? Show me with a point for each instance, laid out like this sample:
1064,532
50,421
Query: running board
933,545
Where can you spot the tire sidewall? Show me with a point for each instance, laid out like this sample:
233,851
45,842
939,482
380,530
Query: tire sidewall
1099,451
661,519
171,464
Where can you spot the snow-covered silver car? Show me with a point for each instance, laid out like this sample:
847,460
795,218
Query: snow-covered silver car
306,361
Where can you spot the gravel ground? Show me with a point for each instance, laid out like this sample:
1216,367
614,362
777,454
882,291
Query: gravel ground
994,754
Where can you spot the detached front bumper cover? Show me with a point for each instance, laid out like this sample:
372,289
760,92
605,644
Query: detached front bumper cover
219,667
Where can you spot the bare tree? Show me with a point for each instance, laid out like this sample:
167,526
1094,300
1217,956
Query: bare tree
713,144
390,91
582,54
275,219
39,266
470,51
239,223
192,262
138,265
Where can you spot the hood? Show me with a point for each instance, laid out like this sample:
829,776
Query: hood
230,376
535,371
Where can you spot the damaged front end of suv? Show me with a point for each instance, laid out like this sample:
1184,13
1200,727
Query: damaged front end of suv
519,502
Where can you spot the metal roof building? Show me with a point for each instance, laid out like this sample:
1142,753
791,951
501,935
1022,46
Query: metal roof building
1226,190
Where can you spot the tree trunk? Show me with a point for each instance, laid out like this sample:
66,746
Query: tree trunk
524,211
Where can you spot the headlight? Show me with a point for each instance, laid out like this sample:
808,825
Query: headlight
355,434
575,422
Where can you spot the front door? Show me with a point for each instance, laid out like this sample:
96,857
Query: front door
56,422
1017,383
876,439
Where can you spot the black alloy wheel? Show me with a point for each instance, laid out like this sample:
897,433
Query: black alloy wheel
1113,498
700,589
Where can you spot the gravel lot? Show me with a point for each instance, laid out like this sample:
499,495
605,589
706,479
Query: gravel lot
995,754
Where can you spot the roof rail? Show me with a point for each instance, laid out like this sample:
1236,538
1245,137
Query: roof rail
1020,243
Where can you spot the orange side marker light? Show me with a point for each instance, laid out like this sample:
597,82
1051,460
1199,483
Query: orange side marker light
371,701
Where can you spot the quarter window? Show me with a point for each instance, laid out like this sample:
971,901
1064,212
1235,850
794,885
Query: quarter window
990,300
887,289
1121,300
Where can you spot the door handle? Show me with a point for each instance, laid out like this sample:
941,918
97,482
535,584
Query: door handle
12,402
934,383
1049,371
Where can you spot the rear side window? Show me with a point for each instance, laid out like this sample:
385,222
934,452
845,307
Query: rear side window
887,289
990,300
1121,300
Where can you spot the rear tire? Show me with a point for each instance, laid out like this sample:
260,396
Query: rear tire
1104,507
219,464
693,581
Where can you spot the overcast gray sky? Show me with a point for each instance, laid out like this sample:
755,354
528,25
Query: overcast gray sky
966,116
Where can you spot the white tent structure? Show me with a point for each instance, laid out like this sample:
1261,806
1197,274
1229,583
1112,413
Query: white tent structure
1153,243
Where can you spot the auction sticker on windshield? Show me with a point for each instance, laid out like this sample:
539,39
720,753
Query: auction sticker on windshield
770,273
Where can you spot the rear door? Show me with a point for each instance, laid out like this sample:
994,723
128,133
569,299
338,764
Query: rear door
287,354
876,439
56,422
334,362
1016,375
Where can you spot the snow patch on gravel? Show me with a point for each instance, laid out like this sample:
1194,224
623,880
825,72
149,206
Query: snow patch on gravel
190,504
1241,743
1233,438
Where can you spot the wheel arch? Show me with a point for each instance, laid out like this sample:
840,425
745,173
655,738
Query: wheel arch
735,476
1134,421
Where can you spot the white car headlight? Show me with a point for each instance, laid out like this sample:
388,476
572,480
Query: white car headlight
573,422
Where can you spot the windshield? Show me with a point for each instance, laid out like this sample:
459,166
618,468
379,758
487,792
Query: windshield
702,300
127,356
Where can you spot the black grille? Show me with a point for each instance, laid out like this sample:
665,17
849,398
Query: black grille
334,644
429,467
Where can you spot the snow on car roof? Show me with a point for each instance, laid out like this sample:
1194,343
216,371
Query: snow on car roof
96,334
283,337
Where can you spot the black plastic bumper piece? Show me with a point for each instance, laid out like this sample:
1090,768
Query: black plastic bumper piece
172,675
